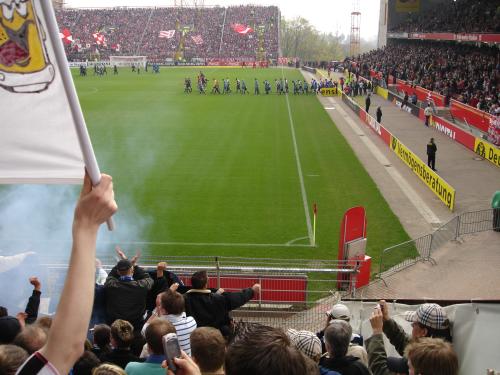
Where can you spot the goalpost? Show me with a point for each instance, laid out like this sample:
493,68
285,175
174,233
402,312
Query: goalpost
128,61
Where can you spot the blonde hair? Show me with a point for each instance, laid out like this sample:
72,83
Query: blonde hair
108,369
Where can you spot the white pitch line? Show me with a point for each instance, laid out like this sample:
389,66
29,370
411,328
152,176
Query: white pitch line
299,168
329,108
407,190
221,244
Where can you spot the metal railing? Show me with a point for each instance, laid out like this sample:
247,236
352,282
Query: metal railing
294,292
401,256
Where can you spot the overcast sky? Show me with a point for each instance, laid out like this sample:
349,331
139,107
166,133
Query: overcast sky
325,15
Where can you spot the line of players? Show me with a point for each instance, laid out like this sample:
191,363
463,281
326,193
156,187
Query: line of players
282,86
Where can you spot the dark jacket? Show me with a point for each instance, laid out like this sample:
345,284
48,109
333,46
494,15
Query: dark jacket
127,299
346,365
32,307
212,309
431,148
120,357
396,335
377,356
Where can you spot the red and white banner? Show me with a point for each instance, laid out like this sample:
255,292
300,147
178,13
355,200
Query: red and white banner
471,115
100,39
66,36
116,47
463,37
241,29
197,39
168,34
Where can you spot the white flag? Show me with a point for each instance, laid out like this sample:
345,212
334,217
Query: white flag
38,136
166,34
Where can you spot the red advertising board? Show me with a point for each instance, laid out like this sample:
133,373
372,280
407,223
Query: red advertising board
422,94
274,288
471,115
454,132
463,37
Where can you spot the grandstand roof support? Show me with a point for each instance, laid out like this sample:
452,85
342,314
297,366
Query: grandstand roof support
355,30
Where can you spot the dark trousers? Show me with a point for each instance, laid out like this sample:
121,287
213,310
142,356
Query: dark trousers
427,120
367,107
431,161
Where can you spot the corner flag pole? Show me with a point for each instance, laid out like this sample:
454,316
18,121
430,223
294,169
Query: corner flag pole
315,214
69,87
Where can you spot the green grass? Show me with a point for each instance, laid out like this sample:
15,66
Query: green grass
222,169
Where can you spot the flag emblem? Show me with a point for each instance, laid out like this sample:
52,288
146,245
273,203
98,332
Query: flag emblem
197,39
66,36
100,39
24,63
241,29
168,34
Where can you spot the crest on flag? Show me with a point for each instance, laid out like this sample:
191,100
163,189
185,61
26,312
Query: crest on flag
241,29
24,63
166,34
197,39
66,36
39,141
100,39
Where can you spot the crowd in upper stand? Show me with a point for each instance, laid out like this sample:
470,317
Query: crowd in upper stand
135,31
464,72
459,16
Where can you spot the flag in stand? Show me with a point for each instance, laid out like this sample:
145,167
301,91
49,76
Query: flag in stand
241,29
197,39
116,47
66,36
169,34
100,39
39,140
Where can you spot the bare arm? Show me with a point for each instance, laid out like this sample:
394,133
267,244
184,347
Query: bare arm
67,335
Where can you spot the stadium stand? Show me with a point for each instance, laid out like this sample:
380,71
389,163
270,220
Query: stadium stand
454,16
467,73
199,32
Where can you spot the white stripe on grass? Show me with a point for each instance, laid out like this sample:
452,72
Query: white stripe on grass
299,168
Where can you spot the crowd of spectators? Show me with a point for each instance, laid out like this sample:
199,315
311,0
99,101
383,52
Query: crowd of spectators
466,73
135,31
212,343
458,16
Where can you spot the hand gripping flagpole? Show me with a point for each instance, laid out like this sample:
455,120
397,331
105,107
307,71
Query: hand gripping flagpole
69,87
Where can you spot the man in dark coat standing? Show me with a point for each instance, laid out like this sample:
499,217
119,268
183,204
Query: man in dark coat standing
379,115
431,154
367,103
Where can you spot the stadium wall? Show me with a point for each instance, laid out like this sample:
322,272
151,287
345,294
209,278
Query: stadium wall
442,189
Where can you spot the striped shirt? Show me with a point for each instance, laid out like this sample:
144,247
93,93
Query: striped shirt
183,326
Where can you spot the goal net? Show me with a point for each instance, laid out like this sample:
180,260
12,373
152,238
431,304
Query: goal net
128,61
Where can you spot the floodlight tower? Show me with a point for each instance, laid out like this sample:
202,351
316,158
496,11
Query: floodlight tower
355,29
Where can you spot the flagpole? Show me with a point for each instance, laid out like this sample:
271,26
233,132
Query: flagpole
69,87
315,213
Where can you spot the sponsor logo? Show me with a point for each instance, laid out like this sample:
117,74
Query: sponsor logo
487,151
443,129
329,91
373,124
468,37
444,191
400,105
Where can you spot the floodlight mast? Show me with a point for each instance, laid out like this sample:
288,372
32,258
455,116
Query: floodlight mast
355,38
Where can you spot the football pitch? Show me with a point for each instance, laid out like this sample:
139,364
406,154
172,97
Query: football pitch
228,175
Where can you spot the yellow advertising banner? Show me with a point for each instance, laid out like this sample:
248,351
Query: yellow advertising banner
406,6
384,93
330,91
487,151
444,191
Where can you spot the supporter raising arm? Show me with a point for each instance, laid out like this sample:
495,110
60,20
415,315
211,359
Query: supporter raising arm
69,329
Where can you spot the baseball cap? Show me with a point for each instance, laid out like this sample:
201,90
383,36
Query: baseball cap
9,328
307,342
123,265
430,315
339,311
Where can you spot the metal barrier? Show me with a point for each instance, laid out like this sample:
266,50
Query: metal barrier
295,292
398,257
